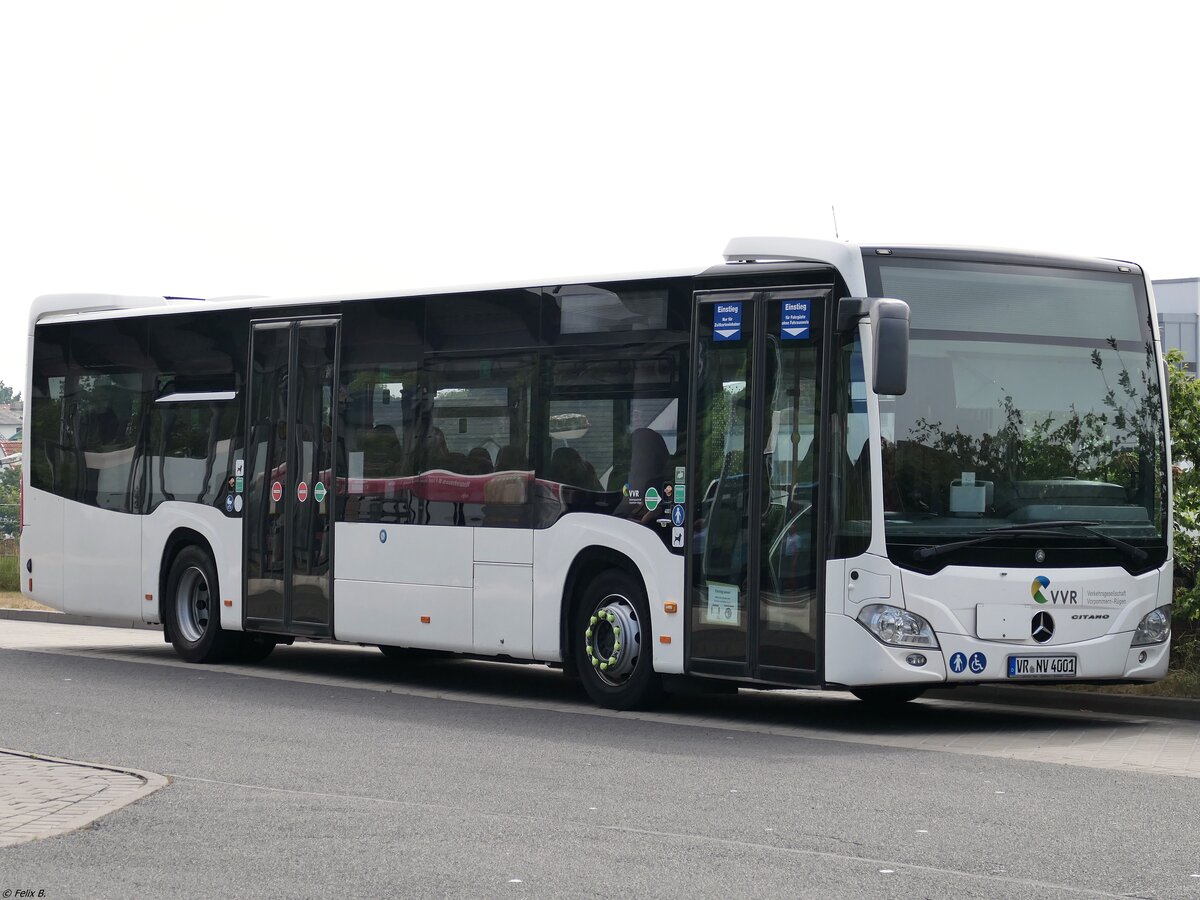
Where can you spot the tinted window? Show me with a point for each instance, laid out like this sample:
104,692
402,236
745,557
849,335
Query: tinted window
191,446
474,450
51,454
612,433
190,451
486,320
90,383
379,407
613,311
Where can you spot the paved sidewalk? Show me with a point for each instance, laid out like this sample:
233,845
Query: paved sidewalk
42,796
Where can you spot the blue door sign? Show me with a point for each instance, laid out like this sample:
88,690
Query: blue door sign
978,663
727,321
958,662
795,323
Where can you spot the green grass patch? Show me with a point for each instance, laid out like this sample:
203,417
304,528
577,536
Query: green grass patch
10,573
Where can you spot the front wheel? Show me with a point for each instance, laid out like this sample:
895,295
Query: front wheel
252,648
888,695
610,640
193,609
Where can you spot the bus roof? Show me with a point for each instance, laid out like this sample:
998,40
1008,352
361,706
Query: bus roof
740,252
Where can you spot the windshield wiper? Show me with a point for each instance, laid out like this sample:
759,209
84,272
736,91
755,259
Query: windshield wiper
1025,529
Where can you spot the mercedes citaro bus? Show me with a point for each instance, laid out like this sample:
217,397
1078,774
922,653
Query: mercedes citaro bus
874,468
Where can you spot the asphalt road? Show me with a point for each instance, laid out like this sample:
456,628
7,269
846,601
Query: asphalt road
476,779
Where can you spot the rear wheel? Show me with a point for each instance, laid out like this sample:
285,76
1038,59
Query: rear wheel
610,637
888,695
193,609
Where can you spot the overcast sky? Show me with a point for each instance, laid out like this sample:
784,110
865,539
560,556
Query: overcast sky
215,148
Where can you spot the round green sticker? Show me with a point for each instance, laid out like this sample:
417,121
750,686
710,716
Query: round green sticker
319,491
652,499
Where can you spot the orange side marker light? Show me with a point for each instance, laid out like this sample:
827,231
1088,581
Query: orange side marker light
664,639
424,620
229,603
671,606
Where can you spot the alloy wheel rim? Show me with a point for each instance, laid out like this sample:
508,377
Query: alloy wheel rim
193,604
612,640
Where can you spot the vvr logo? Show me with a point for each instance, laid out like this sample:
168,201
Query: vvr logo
1041,587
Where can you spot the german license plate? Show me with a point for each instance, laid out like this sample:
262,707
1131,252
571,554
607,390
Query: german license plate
1041,667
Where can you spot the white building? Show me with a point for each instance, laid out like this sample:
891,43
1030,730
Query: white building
1178,302
10,421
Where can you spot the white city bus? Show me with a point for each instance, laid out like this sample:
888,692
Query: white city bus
758,474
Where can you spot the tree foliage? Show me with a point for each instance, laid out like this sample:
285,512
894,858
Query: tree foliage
7,394
1184,406
10,499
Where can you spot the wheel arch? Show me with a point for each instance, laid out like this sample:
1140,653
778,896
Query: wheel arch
176,541
587,564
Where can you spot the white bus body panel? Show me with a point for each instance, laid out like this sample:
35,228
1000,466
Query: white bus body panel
1095,613
102,552
989,611
494,591
224,536
42,542
388,577
555,549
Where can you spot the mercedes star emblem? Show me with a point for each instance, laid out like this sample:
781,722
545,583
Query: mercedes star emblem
1043,627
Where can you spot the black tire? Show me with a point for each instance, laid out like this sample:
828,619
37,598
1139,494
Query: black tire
630,682
192,609
252,648
887,695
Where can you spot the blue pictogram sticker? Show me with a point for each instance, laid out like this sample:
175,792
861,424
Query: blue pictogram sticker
958,662
229,503
795,324
978,663
383,535
727,321
677,515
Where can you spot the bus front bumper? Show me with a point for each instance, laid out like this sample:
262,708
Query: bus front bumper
861,660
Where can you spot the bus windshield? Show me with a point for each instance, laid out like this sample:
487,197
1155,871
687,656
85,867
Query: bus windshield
1033,403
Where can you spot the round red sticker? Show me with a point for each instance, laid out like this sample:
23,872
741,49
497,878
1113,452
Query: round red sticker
277,492
302,491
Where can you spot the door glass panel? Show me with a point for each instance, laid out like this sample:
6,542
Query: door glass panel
313,490
266,455
721,537
788,541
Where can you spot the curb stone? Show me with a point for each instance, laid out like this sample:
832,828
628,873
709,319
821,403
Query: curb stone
1086,701
45,796
57,618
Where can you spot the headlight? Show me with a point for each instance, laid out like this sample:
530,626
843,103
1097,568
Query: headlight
896,626
1154,628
